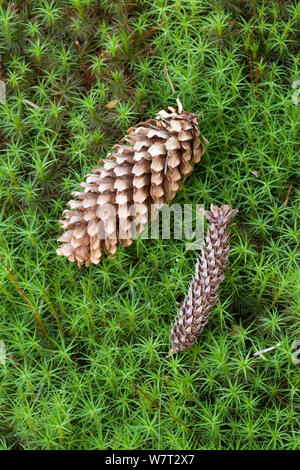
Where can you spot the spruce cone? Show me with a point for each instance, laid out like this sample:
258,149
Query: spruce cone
203,290
117,196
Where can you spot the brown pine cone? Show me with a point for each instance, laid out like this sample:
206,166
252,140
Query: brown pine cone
203,290
117,196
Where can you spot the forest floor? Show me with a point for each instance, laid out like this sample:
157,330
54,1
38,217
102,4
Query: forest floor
83,362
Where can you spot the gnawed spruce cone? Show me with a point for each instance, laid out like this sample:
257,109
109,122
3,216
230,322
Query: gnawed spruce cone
116,200
203,290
